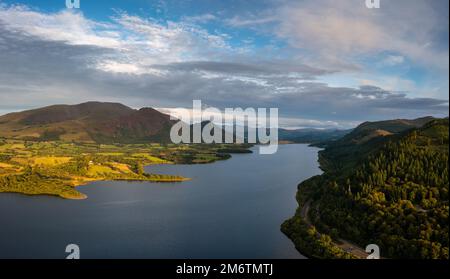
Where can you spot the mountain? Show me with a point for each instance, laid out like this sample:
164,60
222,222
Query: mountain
314,136
102,122
396,125
365,139
88,122
363,133
369,130
389,190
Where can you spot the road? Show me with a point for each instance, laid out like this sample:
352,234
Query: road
347,246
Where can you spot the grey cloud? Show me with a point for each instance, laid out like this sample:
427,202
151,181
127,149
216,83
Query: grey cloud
36,72
257,68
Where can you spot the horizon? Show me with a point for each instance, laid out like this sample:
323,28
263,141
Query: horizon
196,120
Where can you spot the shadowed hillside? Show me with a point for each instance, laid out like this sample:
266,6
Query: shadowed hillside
87,122
390,190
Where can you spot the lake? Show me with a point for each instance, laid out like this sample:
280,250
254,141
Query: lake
230,209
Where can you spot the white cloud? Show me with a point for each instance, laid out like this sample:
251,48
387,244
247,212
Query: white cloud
135,43
204,18
285,122
346,29
67,25
392,60
250,21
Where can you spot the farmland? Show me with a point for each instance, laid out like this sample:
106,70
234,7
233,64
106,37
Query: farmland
56,168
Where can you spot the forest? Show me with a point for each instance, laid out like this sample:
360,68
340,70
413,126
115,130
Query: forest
395,195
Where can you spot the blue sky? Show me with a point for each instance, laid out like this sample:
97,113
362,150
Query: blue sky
323,63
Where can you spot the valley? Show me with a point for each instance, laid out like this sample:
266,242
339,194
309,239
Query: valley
383,183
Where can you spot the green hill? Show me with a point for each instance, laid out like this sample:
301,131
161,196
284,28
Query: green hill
100,122
345,154
87,122
391,190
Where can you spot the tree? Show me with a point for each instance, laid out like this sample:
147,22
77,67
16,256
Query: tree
138,168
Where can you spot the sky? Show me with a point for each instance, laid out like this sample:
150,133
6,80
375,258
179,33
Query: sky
322,63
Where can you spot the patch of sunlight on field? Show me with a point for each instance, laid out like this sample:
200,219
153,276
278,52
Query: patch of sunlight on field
24,153
20,160
152,159
6,166
107,146
6,169
40,145
110,153
121,167
10,146
51,161
100,170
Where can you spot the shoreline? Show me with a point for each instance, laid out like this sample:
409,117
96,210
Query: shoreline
161,180
86,181
82,196
303,224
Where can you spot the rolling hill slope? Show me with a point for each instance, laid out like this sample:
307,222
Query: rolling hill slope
345,153
88,122
391,190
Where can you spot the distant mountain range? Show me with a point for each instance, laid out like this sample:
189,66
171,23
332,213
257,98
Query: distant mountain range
116,123
311,135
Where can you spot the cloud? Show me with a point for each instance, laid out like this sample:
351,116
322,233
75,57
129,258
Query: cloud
68,26
261,68
238,21
138,43
291,123
64,57
338,33
348,29
203,18
392,60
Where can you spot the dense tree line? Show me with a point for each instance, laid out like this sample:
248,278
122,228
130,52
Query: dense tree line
396,197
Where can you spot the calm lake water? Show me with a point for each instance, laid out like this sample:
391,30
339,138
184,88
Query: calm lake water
230,209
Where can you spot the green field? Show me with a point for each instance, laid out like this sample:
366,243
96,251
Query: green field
56,168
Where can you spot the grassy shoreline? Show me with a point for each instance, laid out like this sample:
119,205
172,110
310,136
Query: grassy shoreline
76,195
57,168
